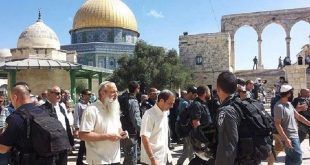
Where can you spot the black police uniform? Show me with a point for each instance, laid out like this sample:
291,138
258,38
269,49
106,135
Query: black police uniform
228,121
15,135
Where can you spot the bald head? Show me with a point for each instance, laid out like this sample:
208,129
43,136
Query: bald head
20,90
304,93
20,95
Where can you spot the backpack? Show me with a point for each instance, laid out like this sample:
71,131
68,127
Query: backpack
255,130
45,134
183,126
125,119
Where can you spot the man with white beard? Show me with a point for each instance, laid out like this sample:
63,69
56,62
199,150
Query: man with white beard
101,128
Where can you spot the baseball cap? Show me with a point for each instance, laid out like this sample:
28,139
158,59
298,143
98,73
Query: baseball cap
285,88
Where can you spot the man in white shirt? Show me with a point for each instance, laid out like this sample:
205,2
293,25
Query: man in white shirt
101,128
154,131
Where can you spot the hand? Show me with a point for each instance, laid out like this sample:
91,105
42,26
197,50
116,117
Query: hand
288,143
114,137
154,161
76,133
124,134
301,107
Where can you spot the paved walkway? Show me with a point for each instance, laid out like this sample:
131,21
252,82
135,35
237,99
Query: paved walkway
178,150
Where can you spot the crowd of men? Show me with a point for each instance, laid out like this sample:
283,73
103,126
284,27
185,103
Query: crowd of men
226,126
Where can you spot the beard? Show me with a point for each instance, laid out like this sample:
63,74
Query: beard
112,107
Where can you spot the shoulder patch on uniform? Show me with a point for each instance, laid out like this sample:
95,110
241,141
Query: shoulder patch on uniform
221,118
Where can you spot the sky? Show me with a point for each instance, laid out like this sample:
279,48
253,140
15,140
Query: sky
161,22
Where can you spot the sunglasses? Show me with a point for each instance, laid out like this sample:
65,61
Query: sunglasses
56,93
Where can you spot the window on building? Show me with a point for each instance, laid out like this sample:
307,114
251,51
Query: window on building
102,62
198,60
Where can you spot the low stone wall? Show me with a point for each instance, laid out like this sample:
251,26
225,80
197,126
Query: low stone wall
42,79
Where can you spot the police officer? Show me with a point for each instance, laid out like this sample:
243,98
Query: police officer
15,133
227,120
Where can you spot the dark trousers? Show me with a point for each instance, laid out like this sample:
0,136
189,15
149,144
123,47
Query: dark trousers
199,161
60,159
302,133
174,136
81,153
130,147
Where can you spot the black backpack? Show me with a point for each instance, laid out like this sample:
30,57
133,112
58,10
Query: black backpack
125,119
45,134
255,130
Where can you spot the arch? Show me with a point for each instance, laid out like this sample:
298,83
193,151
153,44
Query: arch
300,37
242,25
273,39
286,18
244,54
270,22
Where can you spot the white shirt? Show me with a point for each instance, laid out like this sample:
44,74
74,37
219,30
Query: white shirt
60,116
155,126
94,119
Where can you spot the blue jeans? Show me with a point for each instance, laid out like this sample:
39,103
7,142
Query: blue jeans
130,151
294,155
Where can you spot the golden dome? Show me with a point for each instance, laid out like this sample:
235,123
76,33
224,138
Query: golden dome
105,13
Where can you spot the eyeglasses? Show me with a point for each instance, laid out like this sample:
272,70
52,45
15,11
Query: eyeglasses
56,93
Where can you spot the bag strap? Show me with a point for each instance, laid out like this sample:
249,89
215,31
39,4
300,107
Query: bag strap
25,114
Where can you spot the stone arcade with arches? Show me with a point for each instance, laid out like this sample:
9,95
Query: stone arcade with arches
210,53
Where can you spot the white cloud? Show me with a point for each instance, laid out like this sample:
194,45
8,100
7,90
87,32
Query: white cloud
155,14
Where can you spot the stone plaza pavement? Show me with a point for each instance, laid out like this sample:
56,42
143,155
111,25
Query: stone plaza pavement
176,152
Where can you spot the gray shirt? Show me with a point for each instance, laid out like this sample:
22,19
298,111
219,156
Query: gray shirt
80,107
285,112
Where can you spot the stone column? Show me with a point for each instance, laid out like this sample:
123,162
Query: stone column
232,54
260,63
288,46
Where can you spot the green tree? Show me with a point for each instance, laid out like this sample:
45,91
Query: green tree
154,66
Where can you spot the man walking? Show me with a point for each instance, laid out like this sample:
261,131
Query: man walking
78,112
131,122
200,117
101,128
154,131
285,122
187,147
255,63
